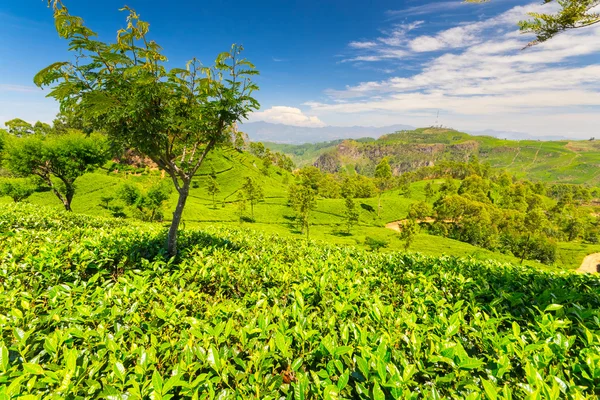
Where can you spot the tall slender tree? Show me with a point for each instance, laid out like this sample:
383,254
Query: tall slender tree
383,176
174,117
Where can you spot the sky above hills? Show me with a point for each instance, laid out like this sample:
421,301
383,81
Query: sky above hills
345,62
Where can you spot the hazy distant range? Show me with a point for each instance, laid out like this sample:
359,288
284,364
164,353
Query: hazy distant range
280,133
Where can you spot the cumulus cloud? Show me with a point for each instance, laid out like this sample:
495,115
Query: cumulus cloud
288,116
479,73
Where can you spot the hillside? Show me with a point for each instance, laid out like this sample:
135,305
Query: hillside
275,216
90,307
549,161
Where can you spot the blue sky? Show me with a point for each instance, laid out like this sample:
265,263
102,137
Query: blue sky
346,62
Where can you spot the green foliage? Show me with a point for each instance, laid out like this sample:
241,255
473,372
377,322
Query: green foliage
408,231
351,215
420,211
253,192
17,189
212,188
302,198
429,191
375,244
174,117
57,160
148,205
405,190
100,312
18,127
573,14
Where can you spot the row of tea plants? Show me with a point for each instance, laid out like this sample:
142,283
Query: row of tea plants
92,308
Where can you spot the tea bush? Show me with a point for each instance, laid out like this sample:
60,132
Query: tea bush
92,308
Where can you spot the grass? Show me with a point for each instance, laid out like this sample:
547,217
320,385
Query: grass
275,216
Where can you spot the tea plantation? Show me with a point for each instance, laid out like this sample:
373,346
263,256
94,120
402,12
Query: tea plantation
91,308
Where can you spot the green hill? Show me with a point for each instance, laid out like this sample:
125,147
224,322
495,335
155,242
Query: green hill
549,161
91,307
274,214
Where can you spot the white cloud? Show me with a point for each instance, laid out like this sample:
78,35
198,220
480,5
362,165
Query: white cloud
288,116
480,78
18,88
362,45
429,8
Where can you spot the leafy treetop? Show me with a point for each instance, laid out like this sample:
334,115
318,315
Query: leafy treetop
573,14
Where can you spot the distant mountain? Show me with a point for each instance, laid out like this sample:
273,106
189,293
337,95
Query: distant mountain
568,161
516,135
280,133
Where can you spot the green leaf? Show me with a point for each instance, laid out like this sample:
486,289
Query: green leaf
377,392
490,389
342,350
157,382
470,363
35,369
553,307
3,358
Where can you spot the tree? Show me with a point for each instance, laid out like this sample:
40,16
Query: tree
147,204
573,14
253,192
57,160
383,175
535,221
408,231
18,127
429,191
350,214
212,187
17,189
375,244
241,204
257,149
42,128
303,201
405,190
267,161
419,211
174,117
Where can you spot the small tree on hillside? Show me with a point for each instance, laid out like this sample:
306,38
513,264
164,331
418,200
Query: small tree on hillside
406,190
535,221
429,191
17,189
383,176
420,211
303,200
149,204
57,160
350,214
253,192
212,187
174,117
241,205
408,231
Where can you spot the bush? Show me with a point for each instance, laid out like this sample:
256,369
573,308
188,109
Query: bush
92,308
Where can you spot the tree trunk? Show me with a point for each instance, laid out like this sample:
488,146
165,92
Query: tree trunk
525,249
172,239
379,205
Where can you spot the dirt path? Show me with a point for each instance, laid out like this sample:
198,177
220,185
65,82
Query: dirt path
590,264
536,155
394,225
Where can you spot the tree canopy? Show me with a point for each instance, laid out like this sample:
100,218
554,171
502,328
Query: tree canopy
173,116
573,14
57,160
